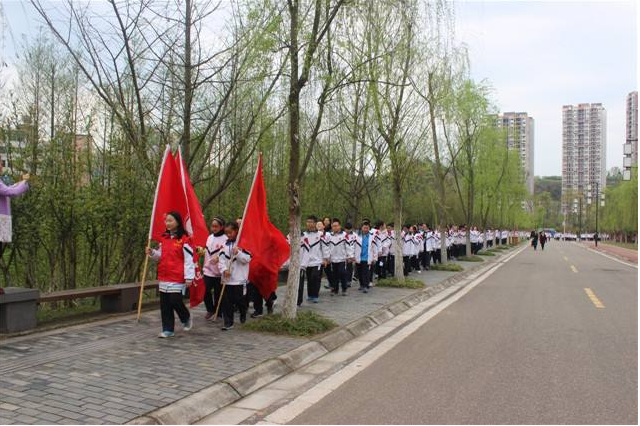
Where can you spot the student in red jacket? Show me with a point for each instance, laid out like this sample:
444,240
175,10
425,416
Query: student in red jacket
176,271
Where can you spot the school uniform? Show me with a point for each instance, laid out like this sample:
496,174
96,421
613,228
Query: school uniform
338,253
391,256
505,234
313,249
175,267
437,247
381,264
418,248
211,272
365,254
428,247
351,238
449,242
474,236
407,251
235,284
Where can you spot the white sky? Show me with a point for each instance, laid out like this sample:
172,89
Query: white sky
537,55
540,55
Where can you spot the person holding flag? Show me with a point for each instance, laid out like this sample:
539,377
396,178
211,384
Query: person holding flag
259,243
234,265
174,193
176,270
212,275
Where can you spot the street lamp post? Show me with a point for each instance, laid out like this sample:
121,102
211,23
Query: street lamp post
599,201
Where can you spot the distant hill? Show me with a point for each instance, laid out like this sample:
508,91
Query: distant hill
550,184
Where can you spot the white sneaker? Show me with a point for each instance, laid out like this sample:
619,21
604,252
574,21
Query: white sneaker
188,325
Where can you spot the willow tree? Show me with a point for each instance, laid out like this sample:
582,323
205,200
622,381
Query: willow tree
309,26
398,115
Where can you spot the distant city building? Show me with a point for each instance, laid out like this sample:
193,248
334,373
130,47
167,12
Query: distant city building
631,146
584,151
520,136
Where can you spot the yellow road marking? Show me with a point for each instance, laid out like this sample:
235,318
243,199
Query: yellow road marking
594,299
566,258
573,268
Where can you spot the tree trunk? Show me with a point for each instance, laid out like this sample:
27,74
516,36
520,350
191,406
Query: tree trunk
397,213
290,308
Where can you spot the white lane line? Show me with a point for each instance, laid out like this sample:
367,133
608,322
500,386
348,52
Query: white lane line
309,398
611,257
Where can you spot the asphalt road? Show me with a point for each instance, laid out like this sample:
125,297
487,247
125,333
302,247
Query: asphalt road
527,345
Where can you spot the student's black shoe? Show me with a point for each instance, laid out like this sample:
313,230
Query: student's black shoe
364,290
270,308
256,315
227,327
243,317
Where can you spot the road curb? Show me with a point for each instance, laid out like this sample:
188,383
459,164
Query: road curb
207,401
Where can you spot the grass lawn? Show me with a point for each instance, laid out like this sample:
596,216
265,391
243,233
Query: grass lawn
307,323
394,282
472,258
630,246
486,253
453,267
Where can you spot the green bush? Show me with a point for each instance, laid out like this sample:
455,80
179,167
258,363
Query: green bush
472,258
453,267
396,283
307,323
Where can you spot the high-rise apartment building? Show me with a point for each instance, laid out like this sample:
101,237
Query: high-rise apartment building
584,151
520,135
631,146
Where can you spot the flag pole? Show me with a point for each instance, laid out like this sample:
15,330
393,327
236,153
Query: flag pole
244,213
153,214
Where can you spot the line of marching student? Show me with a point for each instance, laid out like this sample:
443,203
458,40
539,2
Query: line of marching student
326,248
343,254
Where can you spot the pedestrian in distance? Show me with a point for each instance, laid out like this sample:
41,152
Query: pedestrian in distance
543,239
534,240
176,272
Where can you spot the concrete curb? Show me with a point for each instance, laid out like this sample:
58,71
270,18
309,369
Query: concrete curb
207,401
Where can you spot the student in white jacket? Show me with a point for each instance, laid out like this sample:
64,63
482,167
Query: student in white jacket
234,266
365,253
339,251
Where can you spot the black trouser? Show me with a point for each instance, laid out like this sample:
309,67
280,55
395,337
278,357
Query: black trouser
313,275
462,250
339,276
391,265
258,299
425,258
349,273
364,273
415,262
234,296
406,261
328,272
437,256
542,243
170,302
504,241
211,299
489,243
381,267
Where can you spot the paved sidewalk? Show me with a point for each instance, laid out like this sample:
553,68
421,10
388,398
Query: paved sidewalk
115,370
624,253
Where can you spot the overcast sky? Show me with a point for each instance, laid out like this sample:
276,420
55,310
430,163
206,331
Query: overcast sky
540,55
537,55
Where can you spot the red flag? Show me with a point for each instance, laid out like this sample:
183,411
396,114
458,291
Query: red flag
169,196
268,247
194,222
197,289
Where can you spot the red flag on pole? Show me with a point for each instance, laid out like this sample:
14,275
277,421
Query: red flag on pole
268,247
169,196
194,222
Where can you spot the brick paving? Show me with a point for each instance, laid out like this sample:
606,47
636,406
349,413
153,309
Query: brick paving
112,372
625,253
